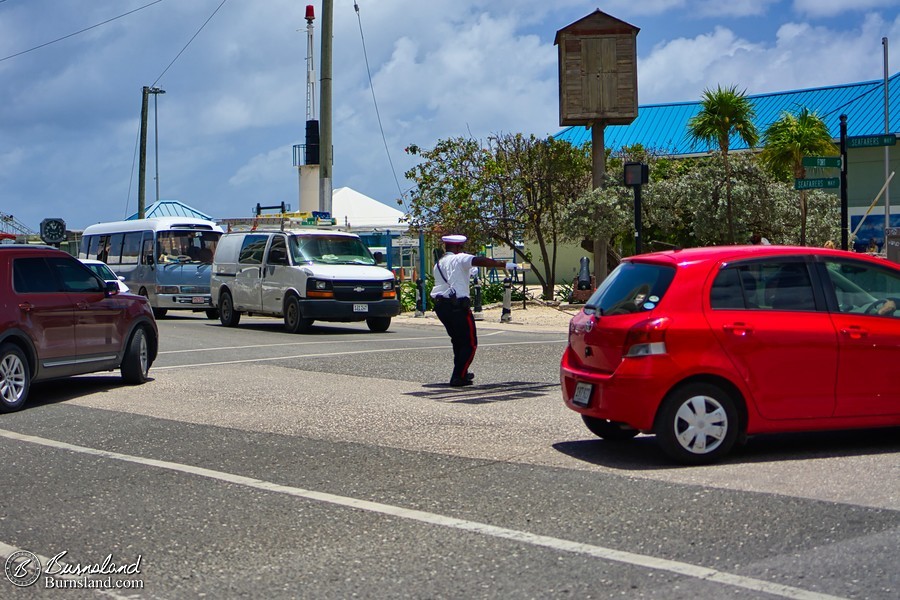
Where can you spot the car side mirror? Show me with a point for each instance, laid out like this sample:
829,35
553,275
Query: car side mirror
112,288
378,256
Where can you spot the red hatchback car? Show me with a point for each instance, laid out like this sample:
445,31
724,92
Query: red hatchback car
57,319
705,346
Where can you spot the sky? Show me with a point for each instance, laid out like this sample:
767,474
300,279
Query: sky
234,73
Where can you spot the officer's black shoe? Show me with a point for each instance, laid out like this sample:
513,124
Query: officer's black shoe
460,381
470,376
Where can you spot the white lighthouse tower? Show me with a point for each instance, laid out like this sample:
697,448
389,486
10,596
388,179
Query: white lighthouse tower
308,161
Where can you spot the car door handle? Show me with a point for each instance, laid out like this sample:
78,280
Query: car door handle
81,305
738,329
854,332
26,306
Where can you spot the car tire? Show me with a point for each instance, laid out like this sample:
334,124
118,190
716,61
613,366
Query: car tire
212,314
159,313
698,424
227,315
136,362
15,378
378,324
610,431
294,322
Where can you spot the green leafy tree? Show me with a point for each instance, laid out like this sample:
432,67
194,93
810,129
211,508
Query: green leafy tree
511,190
787,141
725,112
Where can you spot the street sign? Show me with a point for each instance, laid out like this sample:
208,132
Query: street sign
871,141
822,162
817,183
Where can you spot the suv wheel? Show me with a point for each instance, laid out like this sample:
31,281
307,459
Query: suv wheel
227,315
136,362
15,378
697,423
294,322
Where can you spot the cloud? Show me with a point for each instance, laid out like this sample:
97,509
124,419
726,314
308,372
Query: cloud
800,55
831,8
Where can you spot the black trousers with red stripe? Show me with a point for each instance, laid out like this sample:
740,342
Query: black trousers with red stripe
460,325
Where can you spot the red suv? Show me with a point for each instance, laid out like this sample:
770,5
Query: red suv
708,345
58,319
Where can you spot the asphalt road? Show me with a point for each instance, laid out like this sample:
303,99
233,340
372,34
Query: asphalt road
338,464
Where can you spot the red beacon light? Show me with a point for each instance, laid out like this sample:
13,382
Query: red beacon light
310,12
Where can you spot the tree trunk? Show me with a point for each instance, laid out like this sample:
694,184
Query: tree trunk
728,207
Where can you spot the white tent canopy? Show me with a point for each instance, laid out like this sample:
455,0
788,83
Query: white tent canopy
349,207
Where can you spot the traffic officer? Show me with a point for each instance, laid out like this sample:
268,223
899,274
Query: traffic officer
452,303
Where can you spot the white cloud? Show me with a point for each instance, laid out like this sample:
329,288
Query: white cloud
263,167
801,55
831,8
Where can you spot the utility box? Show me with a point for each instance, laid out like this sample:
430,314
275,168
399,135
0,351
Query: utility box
597,71
892,243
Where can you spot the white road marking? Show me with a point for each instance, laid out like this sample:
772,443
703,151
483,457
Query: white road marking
347,353
523,537
313,343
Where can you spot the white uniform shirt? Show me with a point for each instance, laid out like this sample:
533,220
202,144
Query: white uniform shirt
456,269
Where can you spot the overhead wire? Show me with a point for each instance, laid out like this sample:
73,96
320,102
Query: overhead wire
65,37
188,42
377,112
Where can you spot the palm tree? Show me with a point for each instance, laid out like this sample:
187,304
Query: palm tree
787,141
725,112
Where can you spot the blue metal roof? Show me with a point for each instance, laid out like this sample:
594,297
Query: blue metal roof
663,128
171,208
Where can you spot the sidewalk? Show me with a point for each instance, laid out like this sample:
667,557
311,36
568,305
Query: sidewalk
534,317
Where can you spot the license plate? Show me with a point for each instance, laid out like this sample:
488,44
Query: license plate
582,395
198,300
360,308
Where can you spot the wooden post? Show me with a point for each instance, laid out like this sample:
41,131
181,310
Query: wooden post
598,170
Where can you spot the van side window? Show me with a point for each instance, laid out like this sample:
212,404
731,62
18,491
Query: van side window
277,252
131,248
252,249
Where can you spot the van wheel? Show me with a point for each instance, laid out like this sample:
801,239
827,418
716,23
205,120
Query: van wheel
136,362
227,315
378,324
293,318
15,378
697,424
159,313
212,314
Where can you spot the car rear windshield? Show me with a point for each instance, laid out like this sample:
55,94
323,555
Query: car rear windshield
631,287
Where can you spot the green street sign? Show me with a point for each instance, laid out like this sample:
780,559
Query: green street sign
822,162
871,141
817,183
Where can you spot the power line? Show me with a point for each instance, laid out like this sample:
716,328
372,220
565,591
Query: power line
65,37
377,113
188,43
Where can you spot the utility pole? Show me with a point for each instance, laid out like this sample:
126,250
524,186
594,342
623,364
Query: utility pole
156,92
142,163
325,149
887,151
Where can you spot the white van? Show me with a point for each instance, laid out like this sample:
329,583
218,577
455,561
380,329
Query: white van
301,276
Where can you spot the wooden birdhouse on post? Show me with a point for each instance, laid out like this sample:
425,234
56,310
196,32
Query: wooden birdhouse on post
597,71
598,87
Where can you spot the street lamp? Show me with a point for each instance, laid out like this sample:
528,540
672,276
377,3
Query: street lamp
156,91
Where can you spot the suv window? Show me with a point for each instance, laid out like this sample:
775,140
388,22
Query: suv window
763,285
252,249
74,276
33,275
631,287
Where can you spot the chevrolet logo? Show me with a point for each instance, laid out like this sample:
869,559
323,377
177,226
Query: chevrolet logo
359,289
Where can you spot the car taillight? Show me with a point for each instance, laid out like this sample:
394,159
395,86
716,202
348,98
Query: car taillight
646,338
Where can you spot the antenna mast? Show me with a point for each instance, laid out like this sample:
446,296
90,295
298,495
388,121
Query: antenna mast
310,66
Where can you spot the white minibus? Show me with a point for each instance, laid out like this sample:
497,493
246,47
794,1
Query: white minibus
166,259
